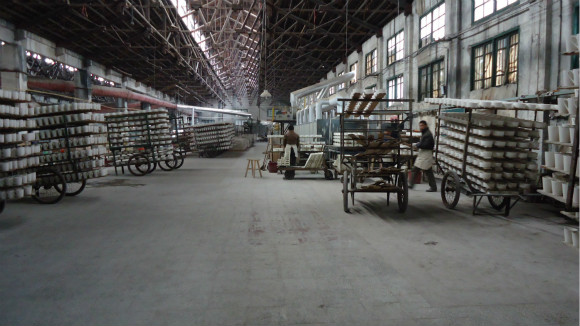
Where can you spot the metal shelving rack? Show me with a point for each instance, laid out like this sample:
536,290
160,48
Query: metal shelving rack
141,141
388,154
73,142
19,155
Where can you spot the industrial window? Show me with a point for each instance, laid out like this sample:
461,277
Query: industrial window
431,78
484,8
495,63
395,88
332,90
371,62
396,48
341,86
353,68
433,25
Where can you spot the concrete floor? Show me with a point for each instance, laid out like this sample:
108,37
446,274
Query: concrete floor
204,246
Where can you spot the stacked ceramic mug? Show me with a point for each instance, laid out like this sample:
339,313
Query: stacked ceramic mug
72,139
19,155
130,132
500,156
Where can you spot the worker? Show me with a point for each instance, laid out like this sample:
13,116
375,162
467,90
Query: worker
424,159
291,144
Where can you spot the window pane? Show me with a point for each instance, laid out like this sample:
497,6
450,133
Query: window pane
483,8
501,4
400,87
353,68
513,59
500,62
400,46
391,51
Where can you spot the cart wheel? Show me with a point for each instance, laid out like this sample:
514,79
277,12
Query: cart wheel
50,186
345,191
289,175
73,188
328,175
139,165
180,159
403,193
169,163
152,167
450,190
498,202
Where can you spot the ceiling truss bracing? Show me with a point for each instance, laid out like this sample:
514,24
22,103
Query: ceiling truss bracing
202,50
145,39
307,38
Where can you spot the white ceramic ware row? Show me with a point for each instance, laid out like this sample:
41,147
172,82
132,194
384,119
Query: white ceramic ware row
489,143
486,185
17,124
560,162
568,106
74,141
492,120
21,110
16,193
19,164
71,118
17,137
19,152
65,108
15,95
562,134
17,180
75,154
143,128
72,131
496,155
97,173
487,104
559,187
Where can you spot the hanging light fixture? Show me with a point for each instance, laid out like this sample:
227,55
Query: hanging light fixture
265,94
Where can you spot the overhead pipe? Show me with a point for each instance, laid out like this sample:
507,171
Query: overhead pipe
97,90
294,96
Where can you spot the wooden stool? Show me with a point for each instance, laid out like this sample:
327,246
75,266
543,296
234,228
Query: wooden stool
253,164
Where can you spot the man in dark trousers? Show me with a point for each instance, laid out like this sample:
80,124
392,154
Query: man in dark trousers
424,159
291,144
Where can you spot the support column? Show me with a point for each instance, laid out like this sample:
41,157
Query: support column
13,67
83,85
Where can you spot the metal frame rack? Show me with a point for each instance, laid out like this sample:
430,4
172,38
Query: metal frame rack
486,155
141,141
73,142
213,139
388,153
19,156
304,153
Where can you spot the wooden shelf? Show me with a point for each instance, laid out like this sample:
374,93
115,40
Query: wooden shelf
561,199
558,143
556,170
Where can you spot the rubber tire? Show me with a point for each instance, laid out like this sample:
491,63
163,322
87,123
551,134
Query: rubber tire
446,176
403,195
2,206
168,163
137,170
76,192
180,160
495,205
328,175
289,175
345,191
60,190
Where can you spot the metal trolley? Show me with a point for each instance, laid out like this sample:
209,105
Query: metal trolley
326,166
457,179
378,157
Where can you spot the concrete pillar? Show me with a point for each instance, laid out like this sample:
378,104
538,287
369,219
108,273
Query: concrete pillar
13,67
83,84
145,106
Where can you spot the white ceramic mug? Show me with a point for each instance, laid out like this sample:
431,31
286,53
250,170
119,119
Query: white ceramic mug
573,106
553,133
550,159
556,187
564,134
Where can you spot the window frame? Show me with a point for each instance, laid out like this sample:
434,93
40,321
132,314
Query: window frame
394,37
494,40
355,73
495,11
340,86
430,11
575,30
397,96
375,60
430,65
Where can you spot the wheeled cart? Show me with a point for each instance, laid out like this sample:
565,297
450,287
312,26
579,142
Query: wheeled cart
383,159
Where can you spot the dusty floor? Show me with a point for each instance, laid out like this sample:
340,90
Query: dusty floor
205,246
